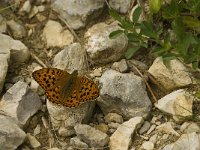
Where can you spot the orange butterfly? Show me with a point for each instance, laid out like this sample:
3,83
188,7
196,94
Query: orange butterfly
66,89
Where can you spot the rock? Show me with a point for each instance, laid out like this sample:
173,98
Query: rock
120,66
102,127
78,13
121,6
76,142
37,130
91,136
55,148
64,132
188,141
33,141
71,58
19,52
100,48
55,36
34,85
121,139
113,125
173,77
97,72
135,63
165,136
18,30
33,12
124,94
4,60
154,138
189,127
20,103
148,145
26,8
3,26
100,118
113,117
167,128
151,129
145,127
11,136
66,118
178,103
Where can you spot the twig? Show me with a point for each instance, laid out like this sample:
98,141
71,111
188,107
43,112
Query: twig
147,84
71,30
38,60
107,4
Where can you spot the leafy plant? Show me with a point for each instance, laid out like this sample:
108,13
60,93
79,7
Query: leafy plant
172,30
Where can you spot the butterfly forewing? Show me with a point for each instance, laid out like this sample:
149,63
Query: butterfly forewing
47,77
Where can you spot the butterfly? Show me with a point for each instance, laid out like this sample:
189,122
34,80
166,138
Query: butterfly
66,89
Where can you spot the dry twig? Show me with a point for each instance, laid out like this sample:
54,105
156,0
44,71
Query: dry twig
39,60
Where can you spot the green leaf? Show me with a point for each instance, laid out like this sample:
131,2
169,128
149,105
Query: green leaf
115,34
115,15
136,14
171,11
195,65
130,52
147,30
155,5
132,37
191,22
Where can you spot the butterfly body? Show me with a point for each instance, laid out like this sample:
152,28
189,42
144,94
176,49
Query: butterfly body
66,89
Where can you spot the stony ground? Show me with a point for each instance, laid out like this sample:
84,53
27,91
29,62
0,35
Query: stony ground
160,125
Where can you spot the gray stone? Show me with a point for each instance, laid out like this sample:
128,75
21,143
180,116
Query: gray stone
113,125
77,143
33,141
3,26
154,138
175,76
78,13
151,129
33,12
100,48
122,6
37,130
189,127
147,145
64,132
71,58
66,118
190,141
102,127
4,60
19,52
145,127
55,148
124,94
121,139
18,30
11,136
91,136
178,103
26,7
120,66
113,117
55,36
20,103
167,128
